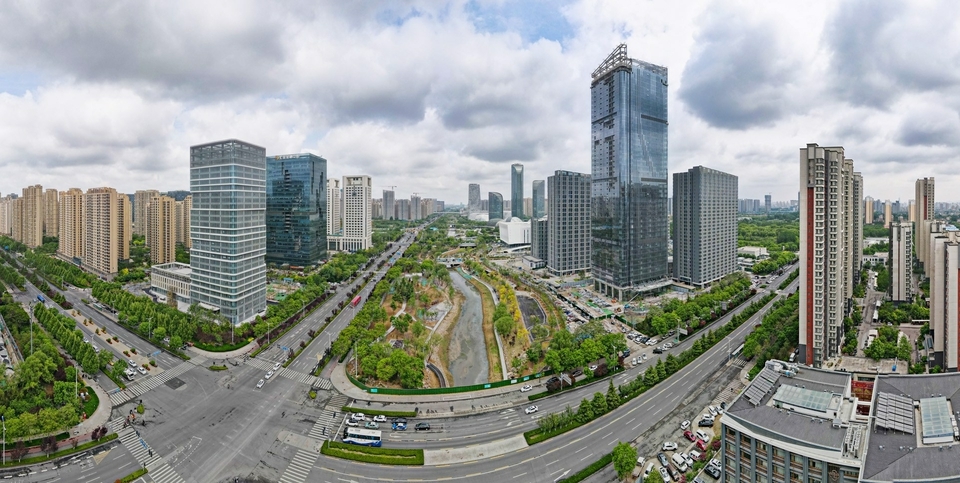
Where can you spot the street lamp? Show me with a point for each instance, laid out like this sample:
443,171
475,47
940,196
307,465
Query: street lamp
4,421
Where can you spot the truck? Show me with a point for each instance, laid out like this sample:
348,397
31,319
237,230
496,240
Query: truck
355,301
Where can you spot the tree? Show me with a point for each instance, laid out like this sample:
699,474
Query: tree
418,329
599,404
585,411
653,478
553,360
613,396
624,459
401,323
516,364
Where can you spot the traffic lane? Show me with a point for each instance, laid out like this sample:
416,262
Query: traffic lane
458,432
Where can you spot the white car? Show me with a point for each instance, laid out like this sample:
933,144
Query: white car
688,459
593,367
358,417
141,370
684,425
269,375
665,474
276,366
379,418
669,446
352,423
526,388
531,409
702,436
260,384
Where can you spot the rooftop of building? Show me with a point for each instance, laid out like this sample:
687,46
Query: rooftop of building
866,365
921,407
175,268
803,406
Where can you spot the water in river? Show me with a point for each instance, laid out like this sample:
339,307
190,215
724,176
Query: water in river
468,355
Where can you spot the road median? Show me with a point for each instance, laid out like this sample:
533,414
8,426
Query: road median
383,456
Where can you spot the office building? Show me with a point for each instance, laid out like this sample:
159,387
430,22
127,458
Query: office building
925,202
296,209
51,209
389,210
228,228
868,210
568,229
416,209
357,222
183,209
124,226
629,175
70,224
496,206
161,230
794,424
334,208
901,258
141,200
101,230
766,204
172,280
704,225
31,216
403,209
539,198
827,249
516,190
539,238
887,214
473,197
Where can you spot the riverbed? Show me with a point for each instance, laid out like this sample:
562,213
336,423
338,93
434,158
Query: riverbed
468,355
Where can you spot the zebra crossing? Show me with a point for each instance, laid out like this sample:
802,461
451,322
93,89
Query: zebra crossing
739,362
328,423
324,383
151,382
299,468
300,377
159,470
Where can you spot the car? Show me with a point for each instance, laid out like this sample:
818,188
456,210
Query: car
643,356
652,341
380,418
689,435
646,472
269,375
131,363
593,367
664,473
633,361
259,383
141,370
698,480
696,455
713,471
86,341
663,459
531,409
399,426
705,423
526,388
723,405
422,427
715,463
668,345
371,425
276,366
668,446
400,420
685,424
657,350
687,459
701,445
676,475
358,417
713,411
640,461
701,435
349,421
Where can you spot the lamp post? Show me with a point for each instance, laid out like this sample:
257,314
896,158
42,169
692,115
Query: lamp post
4,421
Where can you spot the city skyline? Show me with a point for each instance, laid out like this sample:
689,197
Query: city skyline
897,110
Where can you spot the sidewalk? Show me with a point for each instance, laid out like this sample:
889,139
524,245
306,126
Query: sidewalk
252,346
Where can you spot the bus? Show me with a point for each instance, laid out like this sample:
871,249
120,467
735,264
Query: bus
363,437
356,300
41,299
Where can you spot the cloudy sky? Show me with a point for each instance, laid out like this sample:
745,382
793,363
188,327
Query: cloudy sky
432,95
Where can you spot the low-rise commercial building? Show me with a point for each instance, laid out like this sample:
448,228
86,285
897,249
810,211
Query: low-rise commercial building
171,278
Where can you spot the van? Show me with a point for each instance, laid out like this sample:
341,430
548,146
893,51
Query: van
679,462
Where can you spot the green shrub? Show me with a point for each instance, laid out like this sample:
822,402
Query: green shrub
384,456
217,368
312,394
133,476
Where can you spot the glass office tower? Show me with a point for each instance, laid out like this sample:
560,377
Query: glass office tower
495,200
516,190
296,209
539,198
629,174
228,228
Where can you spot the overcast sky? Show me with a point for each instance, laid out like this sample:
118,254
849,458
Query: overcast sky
432,95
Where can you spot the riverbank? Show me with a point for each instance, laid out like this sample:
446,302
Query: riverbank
469,362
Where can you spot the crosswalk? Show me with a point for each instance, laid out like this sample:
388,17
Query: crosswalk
299,468
159,471
151,382
328,422
300,377
739,362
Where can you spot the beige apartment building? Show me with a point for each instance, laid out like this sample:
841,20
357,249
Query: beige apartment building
31,216
182,218
51,208
101,229
141,199
70,223
124,226
161,232
6,215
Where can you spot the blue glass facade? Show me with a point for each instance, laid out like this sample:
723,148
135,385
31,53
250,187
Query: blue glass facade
228,228
539,198
516,190
629,172
495,200
296,209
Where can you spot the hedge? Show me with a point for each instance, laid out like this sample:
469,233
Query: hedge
133,476
445,390
535,436
589,470
389,414
58,454
217,368
365,454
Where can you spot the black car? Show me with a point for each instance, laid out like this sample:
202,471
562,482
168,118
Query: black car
400,420
663,459
658,350
422,427
705,423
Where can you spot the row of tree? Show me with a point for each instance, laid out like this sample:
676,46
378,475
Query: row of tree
57,271
778,332
65,332
774,263
889,344
11,276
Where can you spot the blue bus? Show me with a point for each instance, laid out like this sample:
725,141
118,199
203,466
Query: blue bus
41,299
363,437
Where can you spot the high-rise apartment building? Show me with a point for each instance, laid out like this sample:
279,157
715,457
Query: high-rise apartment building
296,209
629,168
161,230
496,206
704,225
16,219
70,224
376,208
868,210
101,226
141,200
827,249
357,222
124,226
403,209
6,215
389,210
901,258
516,190
911,212
51,209
887,214
32,216
228,228
568,230
539,238
182,210
416,208
334,208
473,197
539,198
944,262
766,204
854,232
925,199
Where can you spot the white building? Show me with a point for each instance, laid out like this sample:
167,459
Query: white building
357,219
334,208
514,231
171,278
901,265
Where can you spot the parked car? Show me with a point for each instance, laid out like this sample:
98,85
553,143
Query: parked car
657,350
526,388
668,446
713,411
260,384
702,435
676,475
701,445
141,370
713,471
696,455
687,434
531,409
662,458
705,423
684,425
664,473
687,459
422,427
380,418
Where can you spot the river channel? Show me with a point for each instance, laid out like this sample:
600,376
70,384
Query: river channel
468,355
